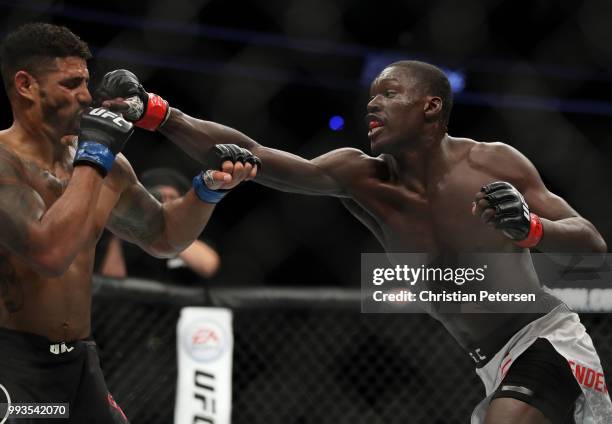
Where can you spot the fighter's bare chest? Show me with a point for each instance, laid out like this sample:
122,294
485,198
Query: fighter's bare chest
51,186
435,219
48,186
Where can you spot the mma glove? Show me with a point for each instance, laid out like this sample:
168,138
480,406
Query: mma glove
512,214
219,154
102,135
146,110
233,153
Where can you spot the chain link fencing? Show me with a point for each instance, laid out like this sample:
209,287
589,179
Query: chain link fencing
300,356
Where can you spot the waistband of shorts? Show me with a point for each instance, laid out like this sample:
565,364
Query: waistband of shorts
24,342
484,350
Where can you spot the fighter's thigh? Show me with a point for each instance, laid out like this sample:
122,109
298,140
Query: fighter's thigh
513,411
94,404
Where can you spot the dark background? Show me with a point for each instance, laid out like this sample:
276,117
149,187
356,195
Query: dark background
537,75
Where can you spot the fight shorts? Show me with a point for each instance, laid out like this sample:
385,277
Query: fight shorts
34,370
563,332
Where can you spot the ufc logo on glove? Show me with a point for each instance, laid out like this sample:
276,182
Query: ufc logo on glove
105,113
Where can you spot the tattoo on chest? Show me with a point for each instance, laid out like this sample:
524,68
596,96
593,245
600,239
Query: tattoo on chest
11,291
56,186
45,182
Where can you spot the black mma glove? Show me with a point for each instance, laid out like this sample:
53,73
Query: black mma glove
512,214
146,110
220,153
234,154
102,135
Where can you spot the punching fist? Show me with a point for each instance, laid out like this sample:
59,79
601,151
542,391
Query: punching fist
235,165
102,135
233,153
502,205
146,110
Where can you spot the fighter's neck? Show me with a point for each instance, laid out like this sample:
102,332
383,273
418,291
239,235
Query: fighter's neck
39,143
416,159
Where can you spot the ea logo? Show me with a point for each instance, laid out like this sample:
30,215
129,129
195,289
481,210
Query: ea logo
4,395
205,340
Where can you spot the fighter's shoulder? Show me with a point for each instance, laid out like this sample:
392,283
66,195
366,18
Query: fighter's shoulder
346,153
11,164
484,151
500,158
348,161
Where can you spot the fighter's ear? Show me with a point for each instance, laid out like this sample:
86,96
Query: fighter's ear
25,84
432,108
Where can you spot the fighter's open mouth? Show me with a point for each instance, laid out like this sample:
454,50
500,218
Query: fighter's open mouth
375,124
375,128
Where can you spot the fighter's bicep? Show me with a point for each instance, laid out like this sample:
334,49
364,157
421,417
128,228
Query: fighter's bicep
539,198
505,163
137,217
548,205
288,172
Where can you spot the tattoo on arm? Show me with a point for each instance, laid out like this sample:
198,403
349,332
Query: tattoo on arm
137,217
20,205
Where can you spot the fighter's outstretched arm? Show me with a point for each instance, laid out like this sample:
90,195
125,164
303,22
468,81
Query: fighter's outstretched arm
120,90
280,170
562,228
165,230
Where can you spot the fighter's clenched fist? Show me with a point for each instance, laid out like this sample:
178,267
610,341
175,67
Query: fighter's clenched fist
102,136
146,110
503,206
235,165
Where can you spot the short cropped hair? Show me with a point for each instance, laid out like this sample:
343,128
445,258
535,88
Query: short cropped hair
32,46
433,82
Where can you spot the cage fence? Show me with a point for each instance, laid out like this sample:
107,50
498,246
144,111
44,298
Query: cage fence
300,356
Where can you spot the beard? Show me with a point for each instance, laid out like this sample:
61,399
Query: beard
59,116
74,125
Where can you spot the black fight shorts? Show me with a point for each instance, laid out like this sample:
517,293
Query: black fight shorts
542,378
34,370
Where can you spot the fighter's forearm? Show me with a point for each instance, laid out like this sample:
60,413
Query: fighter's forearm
184,220
162,230
280,170
574,234
196,136
68,223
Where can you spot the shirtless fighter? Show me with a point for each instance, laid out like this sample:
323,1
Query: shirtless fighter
425,191
56,197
